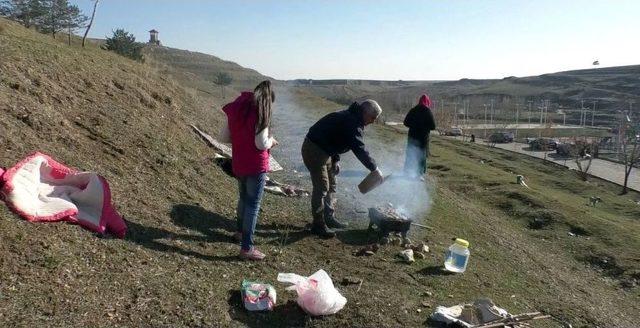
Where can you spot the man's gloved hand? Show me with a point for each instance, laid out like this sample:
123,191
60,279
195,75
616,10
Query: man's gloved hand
335,167
378,172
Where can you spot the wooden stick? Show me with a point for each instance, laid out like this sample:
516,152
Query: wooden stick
514,320
422,226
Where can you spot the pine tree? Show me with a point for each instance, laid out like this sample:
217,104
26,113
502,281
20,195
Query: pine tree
5,10
124,43
27,12
62,16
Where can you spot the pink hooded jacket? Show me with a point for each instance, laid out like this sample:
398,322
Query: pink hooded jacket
247,159
425,101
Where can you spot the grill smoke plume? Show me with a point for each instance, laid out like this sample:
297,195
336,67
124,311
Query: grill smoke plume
411,197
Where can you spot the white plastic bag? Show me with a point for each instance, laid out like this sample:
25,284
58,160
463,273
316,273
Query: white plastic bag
316,293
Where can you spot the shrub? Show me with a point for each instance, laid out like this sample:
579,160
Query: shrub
124,43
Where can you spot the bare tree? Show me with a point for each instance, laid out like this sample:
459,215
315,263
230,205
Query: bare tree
93,14
630,152
444,119
583,152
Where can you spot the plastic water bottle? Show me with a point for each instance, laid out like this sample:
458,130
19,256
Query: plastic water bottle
457,256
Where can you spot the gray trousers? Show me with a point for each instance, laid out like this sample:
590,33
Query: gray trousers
323,179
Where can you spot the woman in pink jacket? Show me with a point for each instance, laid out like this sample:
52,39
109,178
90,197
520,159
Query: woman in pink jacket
248,121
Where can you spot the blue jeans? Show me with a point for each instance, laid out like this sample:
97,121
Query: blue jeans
250,190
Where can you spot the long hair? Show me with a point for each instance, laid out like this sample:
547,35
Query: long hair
263,97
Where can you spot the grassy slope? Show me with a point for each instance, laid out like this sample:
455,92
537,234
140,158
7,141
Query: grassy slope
197,71
177,266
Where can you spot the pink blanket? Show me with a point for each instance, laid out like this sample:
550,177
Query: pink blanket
41,189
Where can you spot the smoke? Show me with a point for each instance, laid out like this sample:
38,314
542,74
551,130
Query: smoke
291,120
293,115
410,196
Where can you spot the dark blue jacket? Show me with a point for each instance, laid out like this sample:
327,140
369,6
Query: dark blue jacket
341,131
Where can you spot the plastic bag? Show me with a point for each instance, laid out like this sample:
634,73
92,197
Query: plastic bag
316,293
257,296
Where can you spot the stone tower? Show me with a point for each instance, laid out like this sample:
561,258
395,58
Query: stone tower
153,37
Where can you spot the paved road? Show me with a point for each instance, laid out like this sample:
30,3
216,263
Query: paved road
603,169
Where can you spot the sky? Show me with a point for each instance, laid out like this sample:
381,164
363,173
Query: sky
387,39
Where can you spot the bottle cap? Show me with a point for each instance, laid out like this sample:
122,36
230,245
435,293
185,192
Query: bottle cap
462,242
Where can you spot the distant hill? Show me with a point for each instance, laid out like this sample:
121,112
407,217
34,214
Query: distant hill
610,87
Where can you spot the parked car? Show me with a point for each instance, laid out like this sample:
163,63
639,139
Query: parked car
501,137
543,144
453,132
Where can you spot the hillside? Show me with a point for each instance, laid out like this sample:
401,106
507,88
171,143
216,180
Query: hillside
177,266
611,87
197,71
97,111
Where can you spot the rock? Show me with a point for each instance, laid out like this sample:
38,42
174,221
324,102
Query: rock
428,293
368,250
419,310
422,248
351,280
450,296
395,241
426,304
571,234
406,241
419,255
407,255
384,240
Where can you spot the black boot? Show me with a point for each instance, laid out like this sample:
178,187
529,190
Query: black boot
321,229
333,223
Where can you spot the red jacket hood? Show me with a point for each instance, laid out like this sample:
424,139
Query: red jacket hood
425,101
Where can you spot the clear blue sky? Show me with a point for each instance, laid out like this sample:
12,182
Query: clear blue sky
388,39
